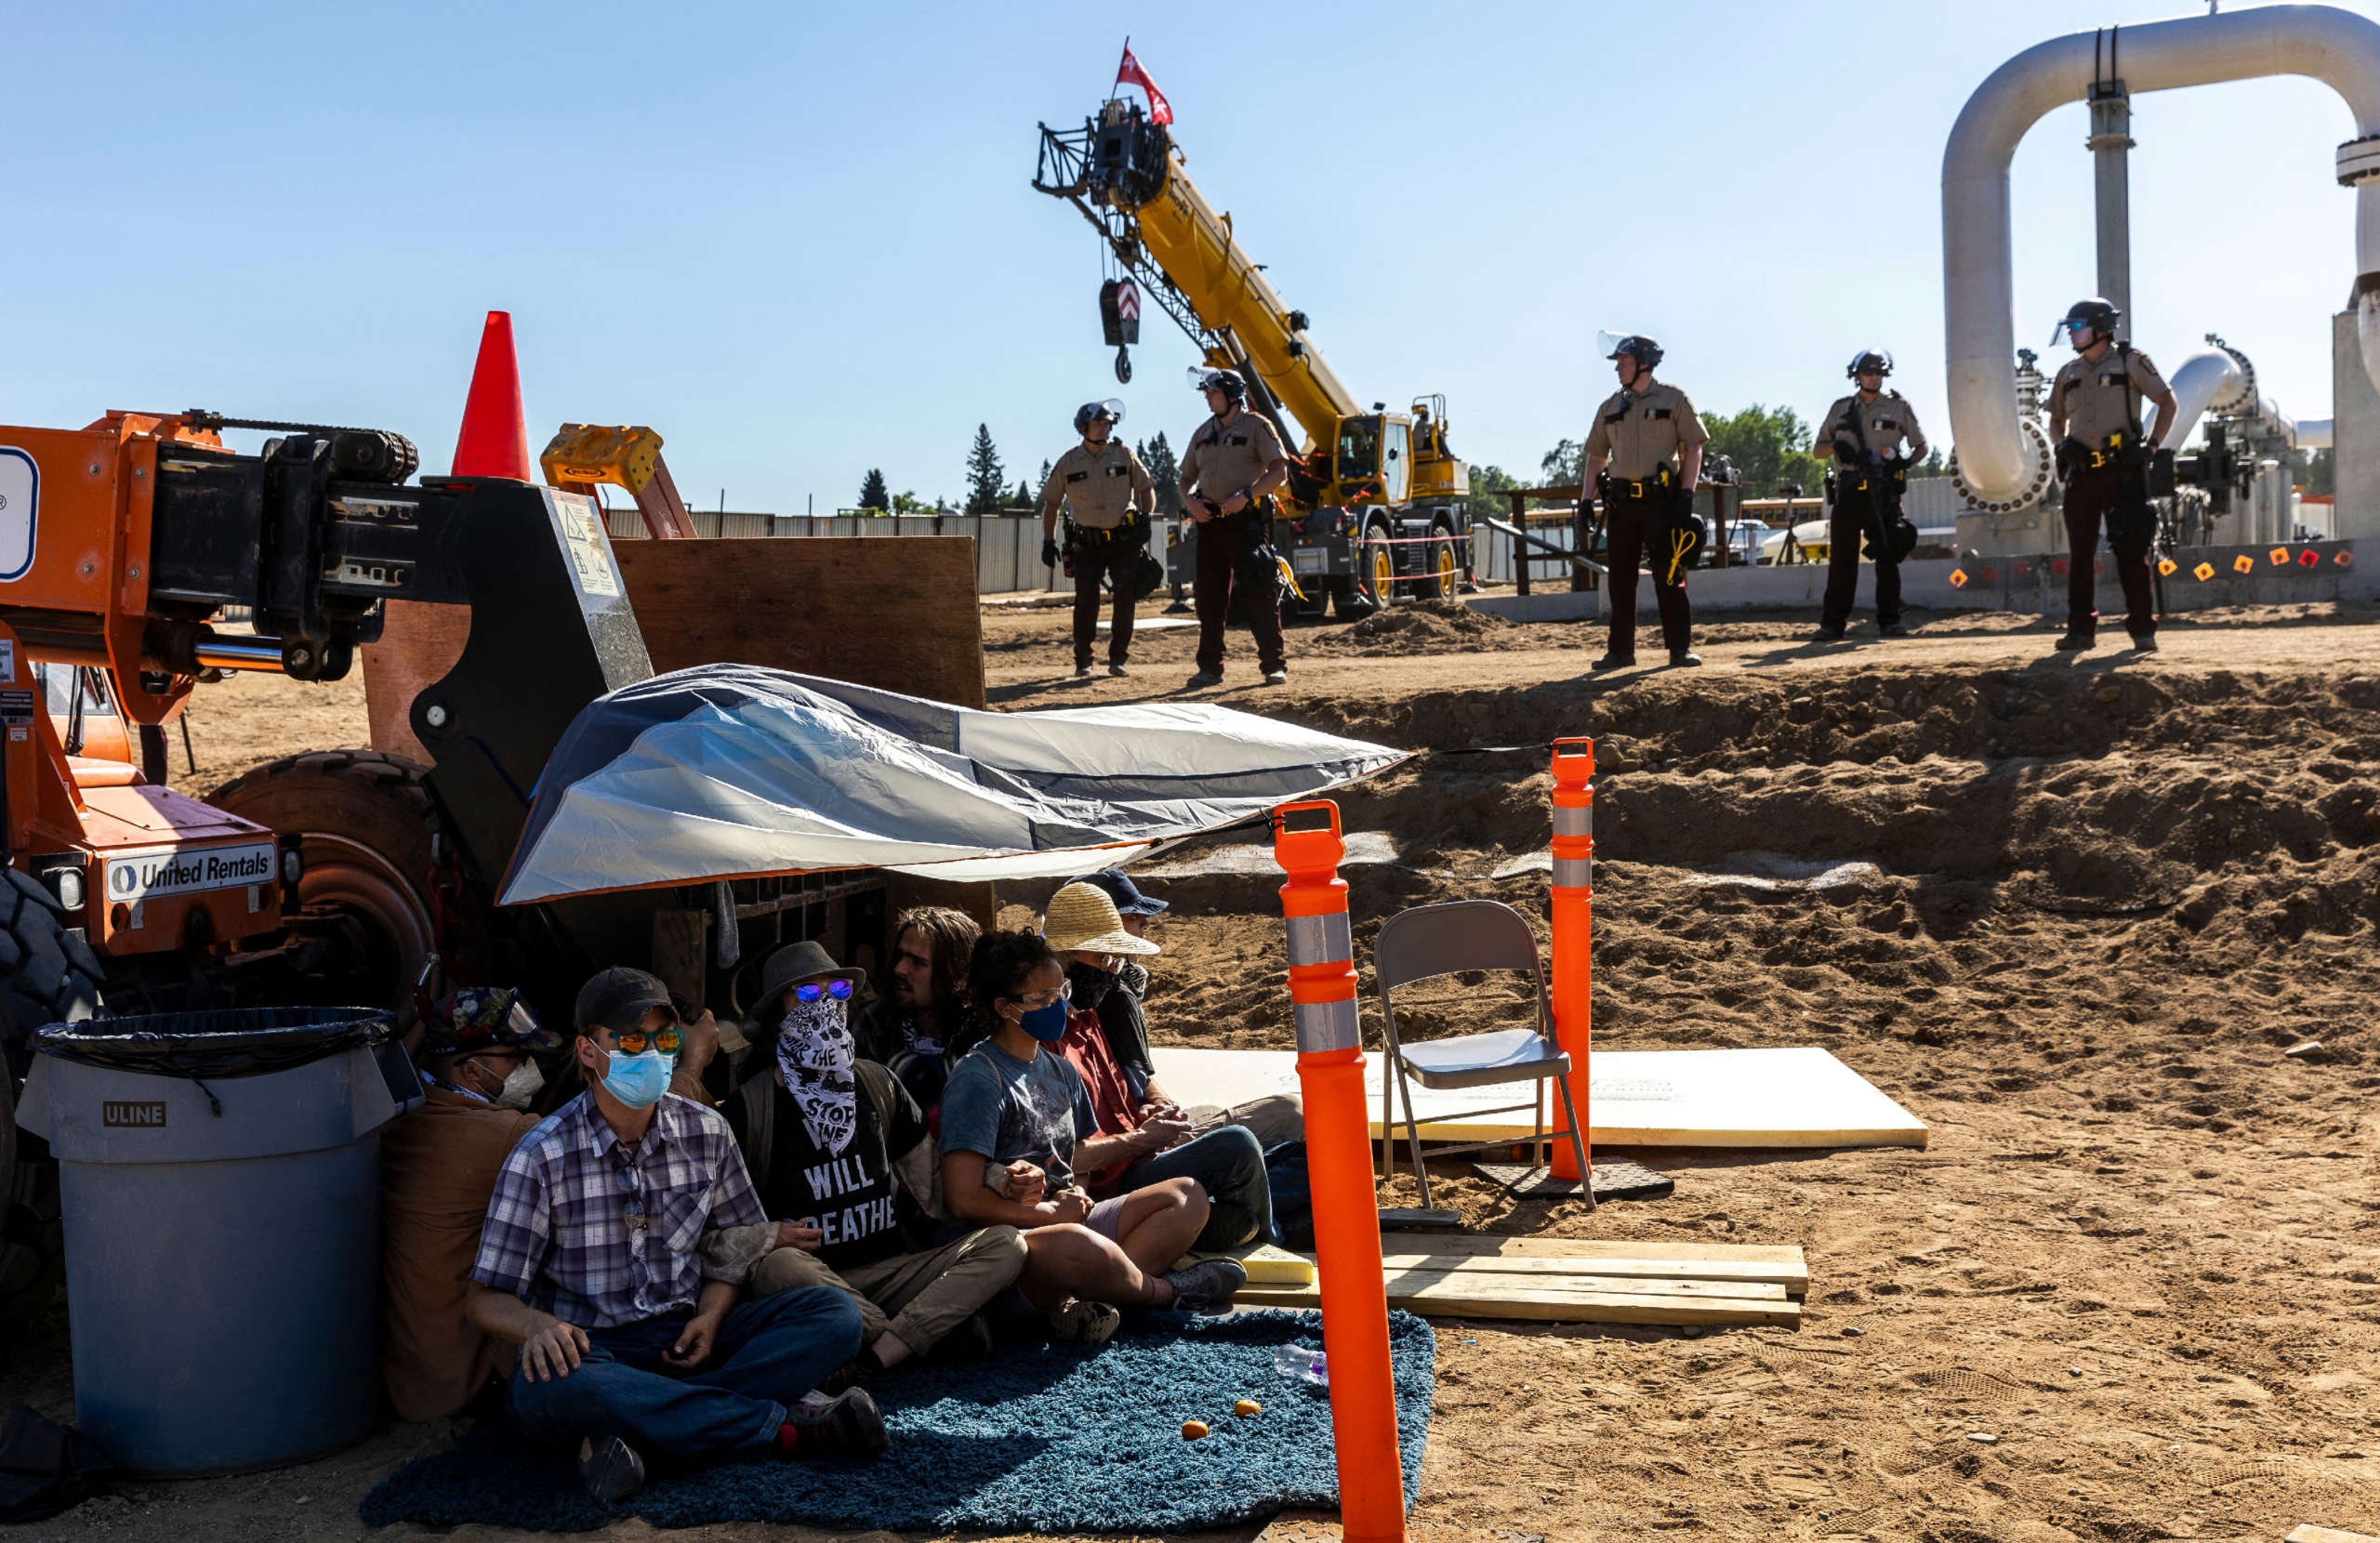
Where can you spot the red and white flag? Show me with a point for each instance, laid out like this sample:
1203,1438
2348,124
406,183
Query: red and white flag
1130,73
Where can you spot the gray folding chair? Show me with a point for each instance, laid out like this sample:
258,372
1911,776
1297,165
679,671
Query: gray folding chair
1439,939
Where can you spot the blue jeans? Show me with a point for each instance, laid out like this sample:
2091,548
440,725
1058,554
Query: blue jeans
768,1353
1230,1167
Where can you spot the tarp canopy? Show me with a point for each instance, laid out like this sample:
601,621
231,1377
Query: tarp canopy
734,771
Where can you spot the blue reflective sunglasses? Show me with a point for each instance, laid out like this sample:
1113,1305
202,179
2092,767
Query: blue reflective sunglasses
811,990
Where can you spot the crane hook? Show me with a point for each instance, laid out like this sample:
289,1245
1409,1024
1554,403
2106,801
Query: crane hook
1123,366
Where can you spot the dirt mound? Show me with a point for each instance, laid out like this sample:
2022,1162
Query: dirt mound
1423,626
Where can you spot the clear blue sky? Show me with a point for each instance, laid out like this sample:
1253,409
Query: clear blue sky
799,240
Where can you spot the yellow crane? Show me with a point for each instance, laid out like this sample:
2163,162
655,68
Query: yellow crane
1377,501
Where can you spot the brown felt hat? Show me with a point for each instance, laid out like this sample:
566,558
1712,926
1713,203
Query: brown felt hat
1082,919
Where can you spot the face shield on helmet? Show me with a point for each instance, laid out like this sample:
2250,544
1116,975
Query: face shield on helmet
2096,316
1643,349
1112,410
1207,377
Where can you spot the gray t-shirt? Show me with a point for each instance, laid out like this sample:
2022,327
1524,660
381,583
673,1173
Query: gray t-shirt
1007,1109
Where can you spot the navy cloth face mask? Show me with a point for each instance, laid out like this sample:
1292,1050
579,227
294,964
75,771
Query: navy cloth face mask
1046,1025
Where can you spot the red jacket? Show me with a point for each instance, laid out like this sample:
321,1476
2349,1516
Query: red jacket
1085,1047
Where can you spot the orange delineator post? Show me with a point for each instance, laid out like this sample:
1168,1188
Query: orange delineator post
1573,919
1339,1167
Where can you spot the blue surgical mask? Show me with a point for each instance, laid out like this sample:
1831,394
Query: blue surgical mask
639,1080
1046,1024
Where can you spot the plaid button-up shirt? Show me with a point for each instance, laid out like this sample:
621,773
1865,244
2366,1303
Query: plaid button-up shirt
600,1233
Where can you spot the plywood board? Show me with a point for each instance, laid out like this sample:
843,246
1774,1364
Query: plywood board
897,614
2312,1534
1488,1275
1457,1295
1799,1097
1779,1255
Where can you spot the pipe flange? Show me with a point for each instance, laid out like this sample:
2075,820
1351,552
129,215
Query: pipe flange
2037,480
2242,403
2359,160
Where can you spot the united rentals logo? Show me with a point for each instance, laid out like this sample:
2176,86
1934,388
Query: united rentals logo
188,870
135,1116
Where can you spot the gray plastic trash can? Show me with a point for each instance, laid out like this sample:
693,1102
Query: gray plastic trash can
221,1180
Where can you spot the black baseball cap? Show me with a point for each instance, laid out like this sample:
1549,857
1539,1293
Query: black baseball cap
1128,899
619,997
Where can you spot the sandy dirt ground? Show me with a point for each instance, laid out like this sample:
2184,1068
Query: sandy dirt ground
2132,1289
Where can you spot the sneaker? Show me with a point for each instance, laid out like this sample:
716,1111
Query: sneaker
1084,1323
610,1469
1684,658
1082,672
2144,642
2073,642
1276,678
1207,678
1827,633
1118,669
1614,661
847,1424
1208,1286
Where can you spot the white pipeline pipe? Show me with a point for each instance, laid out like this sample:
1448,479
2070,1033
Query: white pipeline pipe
2312,434
2335,46
2209,378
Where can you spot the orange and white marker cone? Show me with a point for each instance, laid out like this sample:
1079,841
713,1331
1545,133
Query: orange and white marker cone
1339,1167
1574,920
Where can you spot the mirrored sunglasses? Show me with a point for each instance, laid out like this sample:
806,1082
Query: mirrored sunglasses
809,991
636,1041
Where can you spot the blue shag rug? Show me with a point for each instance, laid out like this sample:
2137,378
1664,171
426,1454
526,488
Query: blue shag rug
1053,1438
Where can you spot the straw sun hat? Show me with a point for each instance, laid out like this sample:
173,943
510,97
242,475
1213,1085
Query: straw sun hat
1081,917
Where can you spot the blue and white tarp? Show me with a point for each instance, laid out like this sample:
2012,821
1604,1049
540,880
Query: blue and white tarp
734,771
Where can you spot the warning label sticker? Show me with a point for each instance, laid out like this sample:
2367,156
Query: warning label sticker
583,539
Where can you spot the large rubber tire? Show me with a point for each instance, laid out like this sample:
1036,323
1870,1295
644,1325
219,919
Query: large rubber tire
1378,560
364,823
1442,572
49,976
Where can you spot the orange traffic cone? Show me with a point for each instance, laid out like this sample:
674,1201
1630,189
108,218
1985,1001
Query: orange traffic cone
494,437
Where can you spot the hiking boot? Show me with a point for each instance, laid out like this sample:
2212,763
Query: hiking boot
610,1469
1084,1323
1118,669
1207,678
2144,642
844,1426
1684,658
1614,661
1082,672
1208,1286
2072,642
1827,633
1276,678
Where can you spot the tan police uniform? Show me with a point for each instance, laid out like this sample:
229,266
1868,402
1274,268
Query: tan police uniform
1108,497
1878,425
2099,402
1643,435
1227,456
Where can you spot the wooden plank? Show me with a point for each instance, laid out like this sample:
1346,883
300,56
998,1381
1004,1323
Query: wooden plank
2312,1534
1782,1279
1517,1247
1269,1266
1469,1276
1494,1297
899,614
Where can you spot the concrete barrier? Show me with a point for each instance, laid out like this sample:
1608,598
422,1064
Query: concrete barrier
2034,586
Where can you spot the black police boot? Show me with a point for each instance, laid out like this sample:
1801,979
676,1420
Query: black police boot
2073,642
1684,658
1829,632
2144,642
1614,661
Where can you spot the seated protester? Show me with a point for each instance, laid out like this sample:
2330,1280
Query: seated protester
1275,1118
915,1029
824,1134
1013,1107
592,1262
1083,928
437,1170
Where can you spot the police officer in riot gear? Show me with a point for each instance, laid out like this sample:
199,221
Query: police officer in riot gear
1644,454
1109,498
1863,433
2104,455
1234,463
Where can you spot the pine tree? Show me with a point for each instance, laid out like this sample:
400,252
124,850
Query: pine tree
1024,494
1157,457
986,478
871,491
